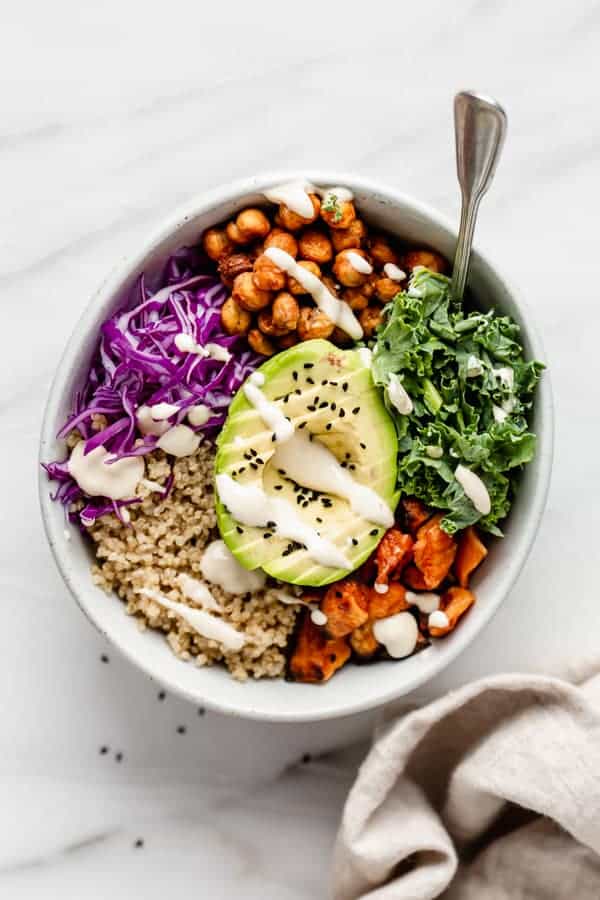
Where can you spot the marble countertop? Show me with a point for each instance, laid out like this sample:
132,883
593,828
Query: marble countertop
117,112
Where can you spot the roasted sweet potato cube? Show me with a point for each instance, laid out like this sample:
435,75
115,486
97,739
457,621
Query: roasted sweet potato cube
363,642
315,657
471,552
393,601
415,513
413,578
455,602
392,554
346,606
434,552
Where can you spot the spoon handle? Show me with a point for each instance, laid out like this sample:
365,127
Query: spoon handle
480,129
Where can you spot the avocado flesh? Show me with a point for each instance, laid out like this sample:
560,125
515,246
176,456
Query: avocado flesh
338,388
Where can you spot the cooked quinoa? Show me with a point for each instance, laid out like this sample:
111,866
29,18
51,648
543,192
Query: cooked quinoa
166,538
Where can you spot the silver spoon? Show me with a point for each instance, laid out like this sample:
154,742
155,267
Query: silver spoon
480,129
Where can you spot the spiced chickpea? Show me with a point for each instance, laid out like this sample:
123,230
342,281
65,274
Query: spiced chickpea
386,289
428,258
288,340
253,224
247,295
370,319
356,299
216,244
345,272
267,326
339,214
267,276
288,219
283,240
347,238
234,234
260,343
235,319
331,285
231,266
312,323
294,287
285,311
382,251
314,244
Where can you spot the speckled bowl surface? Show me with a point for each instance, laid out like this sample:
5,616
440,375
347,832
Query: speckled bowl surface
354,688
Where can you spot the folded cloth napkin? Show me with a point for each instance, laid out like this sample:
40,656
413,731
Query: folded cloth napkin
491,793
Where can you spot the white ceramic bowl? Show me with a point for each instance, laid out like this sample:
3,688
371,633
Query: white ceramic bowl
355,688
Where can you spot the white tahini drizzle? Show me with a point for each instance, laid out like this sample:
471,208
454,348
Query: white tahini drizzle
390,270
197,592
312,465
294,195
474,488
219,566
399,398
271,415
438,619
381,588
248,504
99,478
337,310
186,344
198,415
179,440
427,602
366,356
398,634
358,262
317,616
153,486
147,424
203,622
162,411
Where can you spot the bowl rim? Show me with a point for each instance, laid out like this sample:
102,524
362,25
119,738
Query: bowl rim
129,262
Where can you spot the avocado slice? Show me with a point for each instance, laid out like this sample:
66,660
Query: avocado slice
329,396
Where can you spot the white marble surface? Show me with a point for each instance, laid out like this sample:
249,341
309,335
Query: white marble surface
115,112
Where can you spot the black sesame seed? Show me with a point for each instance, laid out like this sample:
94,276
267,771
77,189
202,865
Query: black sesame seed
239,529
364,446
374,531
139,843
253,465
342,413
286,398
319,520
312,408
354,542
323,405
328,426
298,391
299,499
352,466
247,456
181,729
333,383
333,407
309,365
295,376
348,456
344,464
267,535
103,751
104,658
356,410
305,504
271,524
273,437
253,451
302,425
324,382
310,380
161,695
345,386
296,488
281,471
278,487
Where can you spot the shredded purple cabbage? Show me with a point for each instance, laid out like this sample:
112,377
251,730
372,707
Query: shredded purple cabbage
137,363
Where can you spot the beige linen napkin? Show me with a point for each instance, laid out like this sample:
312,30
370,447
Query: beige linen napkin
491,793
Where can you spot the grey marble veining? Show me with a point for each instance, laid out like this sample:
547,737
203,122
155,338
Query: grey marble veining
114,114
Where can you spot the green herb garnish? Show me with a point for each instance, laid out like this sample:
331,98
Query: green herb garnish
332,205
471,390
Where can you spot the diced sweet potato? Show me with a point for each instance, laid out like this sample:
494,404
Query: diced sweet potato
388,604
413,578
471,552
415,513
434,552
363,642
392,554
346,605
315,658
455,602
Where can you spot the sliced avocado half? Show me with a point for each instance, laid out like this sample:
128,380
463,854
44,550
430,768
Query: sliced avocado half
329,395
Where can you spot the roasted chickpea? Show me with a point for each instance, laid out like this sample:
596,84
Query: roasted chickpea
288,340
267,276
248,295
331,285
312,323
347,238
340,338
294,287
231,266
345,272
428,258
260,343
290,220
386,289
381,251
285,311
234,234
267,326
253,224
339,214
370,319
283,240
216,244
234,319
355,298
315,245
